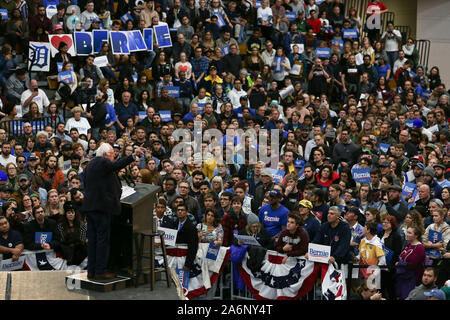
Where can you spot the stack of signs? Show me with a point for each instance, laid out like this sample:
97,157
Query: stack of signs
434,237
361,175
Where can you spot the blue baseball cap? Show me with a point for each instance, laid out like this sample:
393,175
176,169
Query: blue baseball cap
417,123
420,165
3,176
275,194
437,293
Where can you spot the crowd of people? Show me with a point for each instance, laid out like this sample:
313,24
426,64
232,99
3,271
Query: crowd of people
367,103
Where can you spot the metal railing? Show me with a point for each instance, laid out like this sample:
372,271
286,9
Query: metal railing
15,127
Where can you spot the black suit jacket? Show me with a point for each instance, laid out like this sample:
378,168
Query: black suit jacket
102,185
187,235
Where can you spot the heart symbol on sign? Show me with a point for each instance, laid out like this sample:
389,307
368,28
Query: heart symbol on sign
183,68
56,40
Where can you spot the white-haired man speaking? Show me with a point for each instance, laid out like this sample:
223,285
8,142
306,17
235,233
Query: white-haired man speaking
102,200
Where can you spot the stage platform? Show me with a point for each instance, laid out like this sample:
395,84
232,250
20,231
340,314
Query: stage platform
52,285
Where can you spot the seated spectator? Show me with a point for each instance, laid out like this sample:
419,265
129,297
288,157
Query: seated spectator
73,235
11,242
41,233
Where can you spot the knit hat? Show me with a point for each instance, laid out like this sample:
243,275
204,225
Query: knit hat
429,171
252,218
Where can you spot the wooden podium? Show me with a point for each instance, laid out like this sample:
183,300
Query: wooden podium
136,216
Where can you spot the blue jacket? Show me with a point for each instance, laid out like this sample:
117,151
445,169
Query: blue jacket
338,238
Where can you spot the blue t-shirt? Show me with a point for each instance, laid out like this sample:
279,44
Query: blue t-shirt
14,238
382,71
273,220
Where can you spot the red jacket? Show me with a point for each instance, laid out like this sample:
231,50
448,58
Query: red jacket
316,24
55,179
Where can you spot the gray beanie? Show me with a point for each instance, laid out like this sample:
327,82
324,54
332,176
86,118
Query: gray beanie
252,218
429,171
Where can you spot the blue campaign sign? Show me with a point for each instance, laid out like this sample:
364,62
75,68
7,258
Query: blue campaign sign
65,77
136,41
162,35
213,251
408,189
277,175
148,38
225,50
166,115
60,64
83,43
409,123
4,14
323,52
126,17
350,33
174,92
361,175
119,42
43,237
434,237
388,253
99,37
384,147
278,67
220,21
291,15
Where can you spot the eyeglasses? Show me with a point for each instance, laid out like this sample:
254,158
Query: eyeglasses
21,161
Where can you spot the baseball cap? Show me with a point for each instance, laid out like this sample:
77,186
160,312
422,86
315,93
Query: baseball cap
331,133
32,157
66,147
23,176
431,146
440,165
68,206
266,172
7,188
385,164
437,293
58,27
306,204
3,176
417,157
116,146
395,187
275,194
420,165
157,141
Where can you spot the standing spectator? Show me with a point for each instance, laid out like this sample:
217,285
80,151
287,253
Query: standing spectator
233,221
392,39
413,254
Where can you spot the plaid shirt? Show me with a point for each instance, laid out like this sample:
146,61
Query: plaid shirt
231,222
199,66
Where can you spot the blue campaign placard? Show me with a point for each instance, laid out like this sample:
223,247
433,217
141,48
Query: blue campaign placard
220,21
83,43
99,36
408,189
148,38
361,175
119,42
225,50
126,17
409,123
43,237
323,52
213,251
434,237
162,35
4,14
65,76
384,147
278,67
388,253
350,33
136,41
166,115
277,175
174,91
291,15
59,66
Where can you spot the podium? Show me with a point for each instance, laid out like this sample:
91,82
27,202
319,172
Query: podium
136,216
